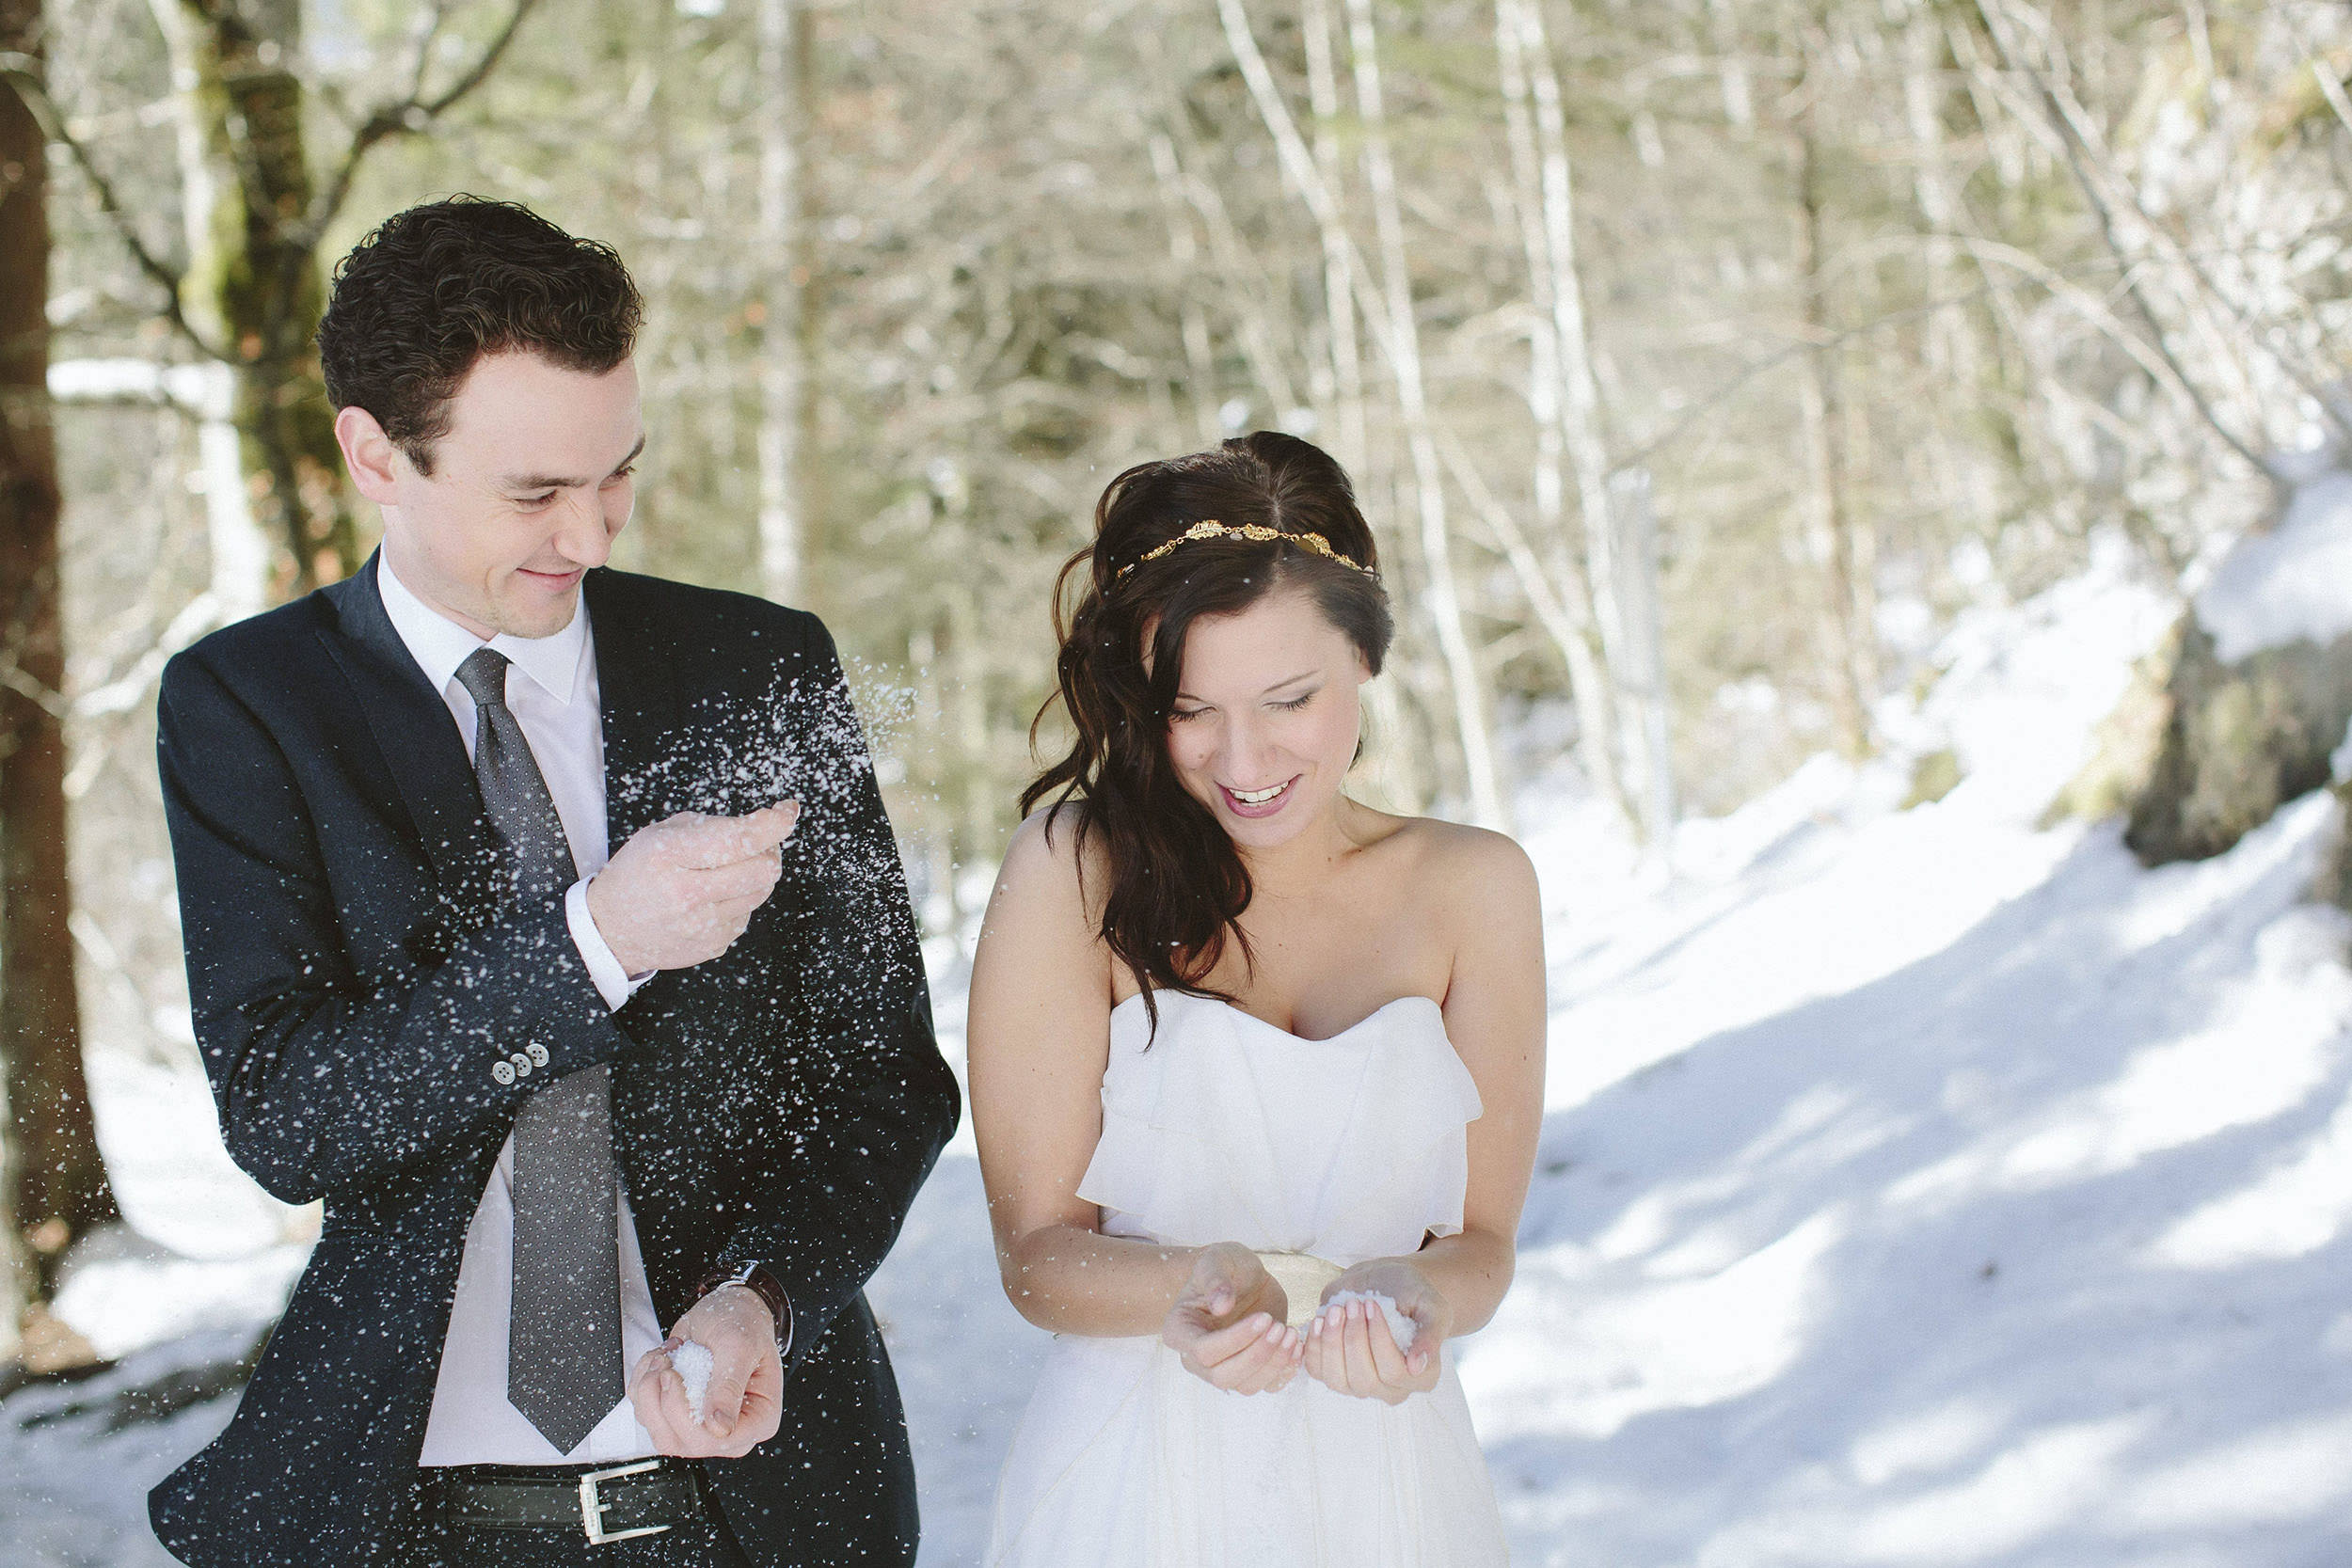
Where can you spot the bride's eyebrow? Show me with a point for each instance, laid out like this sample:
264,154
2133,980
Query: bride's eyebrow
1184,696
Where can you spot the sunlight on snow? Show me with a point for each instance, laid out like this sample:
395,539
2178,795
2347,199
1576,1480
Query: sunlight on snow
2294,1471
1572,1355
2037,1484
2297,1207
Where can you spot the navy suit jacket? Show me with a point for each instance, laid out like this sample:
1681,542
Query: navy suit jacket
356,976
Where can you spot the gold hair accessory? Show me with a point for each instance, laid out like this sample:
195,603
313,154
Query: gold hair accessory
1256,533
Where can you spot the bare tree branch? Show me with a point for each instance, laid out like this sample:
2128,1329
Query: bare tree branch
2061,97
405,117
422,61
2067,135
17,71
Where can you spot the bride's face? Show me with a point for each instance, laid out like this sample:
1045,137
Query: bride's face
1266,717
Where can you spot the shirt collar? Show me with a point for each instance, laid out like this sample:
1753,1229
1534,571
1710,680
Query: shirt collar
440,644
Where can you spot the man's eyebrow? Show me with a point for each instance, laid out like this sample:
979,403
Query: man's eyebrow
1278,685
562,481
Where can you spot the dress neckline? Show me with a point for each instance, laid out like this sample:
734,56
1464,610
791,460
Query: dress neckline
1276,1029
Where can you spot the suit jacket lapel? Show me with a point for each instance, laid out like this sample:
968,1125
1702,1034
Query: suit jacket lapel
641,708
656,1114
420,745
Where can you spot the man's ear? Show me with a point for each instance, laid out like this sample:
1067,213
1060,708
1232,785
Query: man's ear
369,453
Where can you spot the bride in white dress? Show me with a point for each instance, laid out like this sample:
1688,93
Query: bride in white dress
1256,1070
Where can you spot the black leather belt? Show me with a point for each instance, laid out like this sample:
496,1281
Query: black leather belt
615,1503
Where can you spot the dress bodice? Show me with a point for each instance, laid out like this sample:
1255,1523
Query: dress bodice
1225,1128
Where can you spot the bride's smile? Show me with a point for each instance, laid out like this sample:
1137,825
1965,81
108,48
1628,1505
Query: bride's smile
1257,802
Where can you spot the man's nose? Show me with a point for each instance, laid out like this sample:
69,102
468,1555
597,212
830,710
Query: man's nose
582,536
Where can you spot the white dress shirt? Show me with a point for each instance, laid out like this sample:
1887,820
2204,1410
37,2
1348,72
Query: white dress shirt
551,686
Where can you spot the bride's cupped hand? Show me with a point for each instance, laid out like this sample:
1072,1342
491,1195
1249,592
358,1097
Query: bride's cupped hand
1227,1324
1349,1349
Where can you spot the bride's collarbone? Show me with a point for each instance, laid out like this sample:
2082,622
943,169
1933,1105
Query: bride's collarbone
1317,967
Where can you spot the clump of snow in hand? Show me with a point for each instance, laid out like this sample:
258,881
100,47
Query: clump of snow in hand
2293,583
800,739
694,1363
1400,1326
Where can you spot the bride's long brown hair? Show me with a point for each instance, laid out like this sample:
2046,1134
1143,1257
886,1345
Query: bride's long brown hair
1177,886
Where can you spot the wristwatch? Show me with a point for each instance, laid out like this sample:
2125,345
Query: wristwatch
756,1278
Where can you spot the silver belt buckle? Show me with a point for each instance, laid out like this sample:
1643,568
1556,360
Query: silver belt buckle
591,1509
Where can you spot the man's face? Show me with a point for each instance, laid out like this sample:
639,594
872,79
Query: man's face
528,491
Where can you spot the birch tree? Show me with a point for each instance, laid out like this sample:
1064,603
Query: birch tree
1468,682
1545,238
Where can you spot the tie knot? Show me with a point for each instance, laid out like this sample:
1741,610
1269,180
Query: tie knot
484,676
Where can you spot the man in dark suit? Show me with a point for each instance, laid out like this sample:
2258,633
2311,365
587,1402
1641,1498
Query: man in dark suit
544,921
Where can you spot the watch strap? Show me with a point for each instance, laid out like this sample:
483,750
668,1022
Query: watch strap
756,1278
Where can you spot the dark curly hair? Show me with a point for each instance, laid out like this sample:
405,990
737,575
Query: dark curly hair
435,288
1177,885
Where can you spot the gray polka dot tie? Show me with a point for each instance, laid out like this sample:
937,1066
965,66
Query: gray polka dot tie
563,1341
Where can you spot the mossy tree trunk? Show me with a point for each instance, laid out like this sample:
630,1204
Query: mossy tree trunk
252,287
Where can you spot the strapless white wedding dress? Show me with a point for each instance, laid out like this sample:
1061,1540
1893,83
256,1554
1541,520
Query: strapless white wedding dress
1228,1128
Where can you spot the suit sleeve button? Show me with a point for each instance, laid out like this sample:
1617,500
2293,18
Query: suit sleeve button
520,1063
502,1072
538,1052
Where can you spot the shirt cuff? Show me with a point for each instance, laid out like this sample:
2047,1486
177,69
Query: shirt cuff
614,983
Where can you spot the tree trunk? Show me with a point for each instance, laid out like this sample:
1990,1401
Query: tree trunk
1731,68
1578,410
1192,321
57,1183
1461,662
787,406
1641,609
1590,681
1841,538
252,289
1339,275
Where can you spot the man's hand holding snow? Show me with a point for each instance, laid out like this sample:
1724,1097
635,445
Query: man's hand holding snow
679,892
742,1404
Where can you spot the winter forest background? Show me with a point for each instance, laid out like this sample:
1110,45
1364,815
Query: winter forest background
1864,481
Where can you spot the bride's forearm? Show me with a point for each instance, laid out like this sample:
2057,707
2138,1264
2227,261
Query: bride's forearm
1069,1279
1472,1270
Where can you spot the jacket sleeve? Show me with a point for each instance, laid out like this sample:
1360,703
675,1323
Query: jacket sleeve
868,1101
325,1080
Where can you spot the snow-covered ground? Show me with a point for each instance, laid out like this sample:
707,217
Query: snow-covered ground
1916,1187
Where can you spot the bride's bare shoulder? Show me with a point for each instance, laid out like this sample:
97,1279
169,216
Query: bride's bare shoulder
1052,870
1475,869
